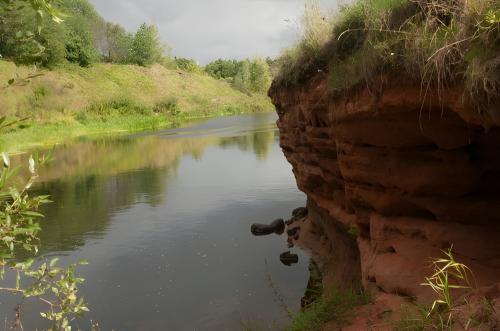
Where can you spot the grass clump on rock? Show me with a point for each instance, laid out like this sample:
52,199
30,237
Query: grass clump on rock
434,42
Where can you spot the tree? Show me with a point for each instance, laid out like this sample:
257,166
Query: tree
27,41
260,79
83,38
26,38
223,69
243,76
78,50
146,47
119,43
80,40
253,76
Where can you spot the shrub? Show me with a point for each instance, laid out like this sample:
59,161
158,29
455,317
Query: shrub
168,107
188,65
115,107
38,95
223,69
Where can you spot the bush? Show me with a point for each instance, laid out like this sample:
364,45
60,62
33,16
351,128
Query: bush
188,65
40,92
223,69
167,107
115,107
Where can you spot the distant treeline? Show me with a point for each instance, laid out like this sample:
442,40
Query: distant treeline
84,37
248,75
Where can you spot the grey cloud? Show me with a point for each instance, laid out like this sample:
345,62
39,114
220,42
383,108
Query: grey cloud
209,29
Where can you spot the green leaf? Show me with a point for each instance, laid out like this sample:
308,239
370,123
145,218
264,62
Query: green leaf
31,165
53,262
6,160
32,214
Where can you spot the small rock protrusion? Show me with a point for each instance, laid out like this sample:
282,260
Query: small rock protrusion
293,231
300,212
277,226
288,258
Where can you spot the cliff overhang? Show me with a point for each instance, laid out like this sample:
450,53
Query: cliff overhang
409,176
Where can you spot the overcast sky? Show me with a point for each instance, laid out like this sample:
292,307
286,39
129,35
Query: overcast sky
209,29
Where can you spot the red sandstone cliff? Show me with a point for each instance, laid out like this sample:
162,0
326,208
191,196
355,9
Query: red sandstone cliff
412,177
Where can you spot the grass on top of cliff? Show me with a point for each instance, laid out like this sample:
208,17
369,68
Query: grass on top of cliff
435,42
71,101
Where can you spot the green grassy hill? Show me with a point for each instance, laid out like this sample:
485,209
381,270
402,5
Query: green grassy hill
71,101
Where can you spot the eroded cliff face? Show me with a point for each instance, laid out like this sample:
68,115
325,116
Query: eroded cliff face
392,181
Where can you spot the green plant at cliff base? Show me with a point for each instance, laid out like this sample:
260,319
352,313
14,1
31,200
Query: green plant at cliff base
333,306
55,286
448,275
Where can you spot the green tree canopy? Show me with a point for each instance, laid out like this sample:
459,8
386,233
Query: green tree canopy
222,69
146,48
253,76
188,65
260,76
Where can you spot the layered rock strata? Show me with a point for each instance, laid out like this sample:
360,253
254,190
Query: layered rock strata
392,181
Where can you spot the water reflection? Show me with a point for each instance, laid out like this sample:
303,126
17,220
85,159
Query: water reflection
164,218
95,178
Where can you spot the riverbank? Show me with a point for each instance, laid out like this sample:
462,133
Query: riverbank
70,101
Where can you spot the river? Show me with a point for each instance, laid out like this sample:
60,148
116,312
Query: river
164,220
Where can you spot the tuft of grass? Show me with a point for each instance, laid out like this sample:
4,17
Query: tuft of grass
296,63
448,275
333,306
434,42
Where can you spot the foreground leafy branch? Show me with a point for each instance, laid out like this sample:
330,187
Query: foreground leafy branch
55,286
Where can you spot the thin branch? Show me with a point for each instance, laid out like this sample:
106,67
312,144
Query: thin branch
379,30
12,290
447,46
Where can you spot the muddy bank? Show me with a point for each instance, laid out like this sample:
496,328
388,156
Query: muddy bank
392,180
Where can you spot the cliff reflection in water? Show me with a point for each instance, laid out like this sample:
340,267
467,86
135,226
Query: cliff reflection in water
94,179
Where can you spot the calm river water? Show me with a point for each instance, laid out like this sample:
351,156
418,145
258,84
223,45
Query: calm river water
164,220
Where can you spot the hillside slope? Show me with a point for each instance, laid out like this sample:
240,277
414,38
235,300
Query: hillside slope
72,101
